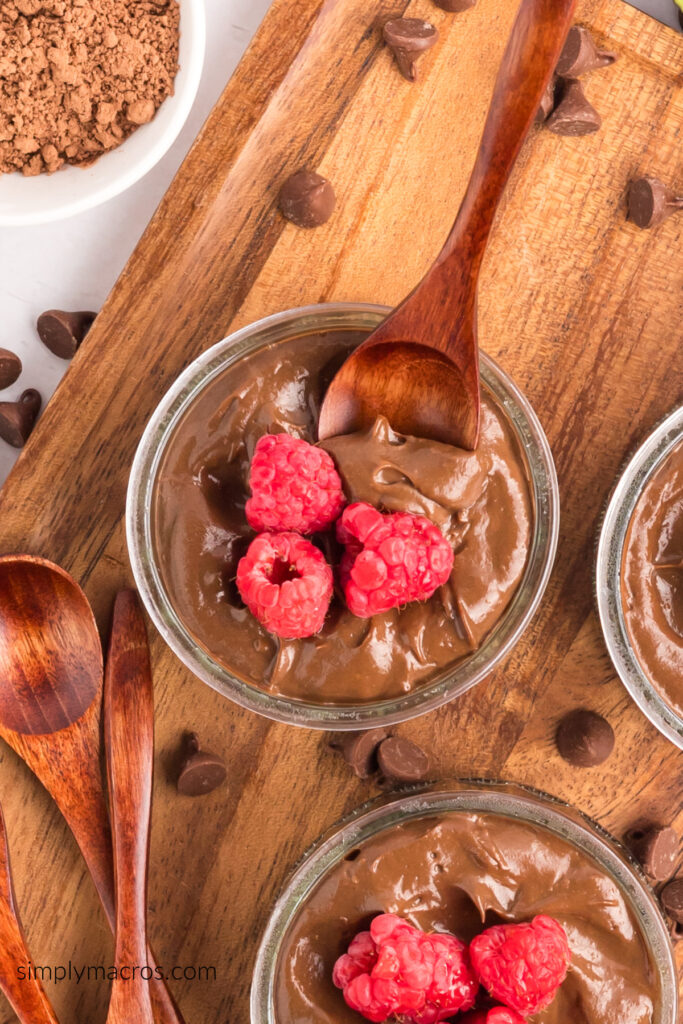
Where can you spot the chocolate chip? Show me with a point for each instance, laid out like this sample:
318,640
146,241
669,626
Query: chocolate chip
307,199
401,760
580,54
455,6
547,102
201,771
573,114
650,202
656,848
672,900
10,368
584,738
408,39
359,750
17,419
62,332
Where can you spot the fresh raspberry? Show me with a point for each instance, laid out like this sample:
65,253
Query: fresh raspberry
294,486
396,971
285,583
522,965
496,1015
390,559
360,959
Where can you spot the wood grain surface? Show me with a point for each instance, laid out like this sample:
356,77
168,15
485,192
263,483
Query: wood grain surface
582,308
27,995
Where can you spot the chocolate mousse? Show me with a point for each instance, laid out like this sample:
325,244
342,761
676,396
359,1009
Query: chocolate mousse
480,500
652,580
461,873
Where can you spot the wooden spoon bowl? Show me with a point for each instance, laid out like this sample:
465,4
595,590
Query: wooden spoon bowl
381,379
50,665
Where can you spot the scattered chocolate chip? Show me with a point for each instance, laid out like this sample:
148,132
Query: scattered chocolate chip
408,39
17,419
573,114
359,750
455,6
307,199
650,202
656,848
401,760
547,101
62,332
10,368
201,771
580,54
584,738
672,900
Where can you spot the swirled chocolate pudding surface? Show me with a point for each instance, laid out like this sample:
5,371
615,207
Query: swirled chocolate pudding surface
461,873
480,500
652,579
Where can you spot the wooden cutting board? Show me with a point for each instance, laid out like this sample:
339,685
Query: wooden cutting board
582,308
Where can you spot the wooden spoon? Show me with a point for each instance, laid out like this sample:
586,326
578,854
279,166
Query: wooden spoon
420,367
50,706
26,995
129,746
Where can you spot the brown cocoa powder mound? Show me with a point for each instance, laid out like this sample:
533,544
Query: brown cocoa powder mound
78,76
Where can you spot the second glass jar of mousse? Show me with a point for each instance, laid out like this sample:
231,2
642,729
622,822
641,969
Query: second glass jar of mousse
639,576
498,506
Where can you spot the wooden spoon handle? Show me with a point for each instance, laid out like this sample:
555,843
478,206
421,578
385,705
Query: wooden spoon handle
535,45
129,745
74,755
26,994
446,298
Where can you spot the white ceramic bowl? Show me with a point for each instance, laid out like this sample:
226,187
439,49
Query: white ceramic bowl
71,190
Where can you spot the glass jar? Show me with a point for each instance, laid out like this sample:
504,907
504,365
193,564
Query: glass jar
505,799
447,684
609,557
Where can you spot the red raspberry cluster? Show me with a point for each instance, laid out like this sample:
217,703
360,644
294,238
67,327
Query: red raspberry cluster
286,583
522,965
395,972
496,1015
294,486
390,559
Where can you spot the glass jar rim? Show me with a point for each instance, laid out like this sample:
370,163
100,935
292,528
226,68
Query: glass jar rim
447,684
621,504
486,796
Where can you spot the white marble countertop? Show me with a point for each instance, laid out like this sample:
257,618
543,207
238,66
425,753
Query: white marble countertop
73,264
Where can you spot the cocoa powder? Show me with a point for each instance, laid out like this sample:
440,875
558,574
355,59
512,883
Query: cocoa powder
78,76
